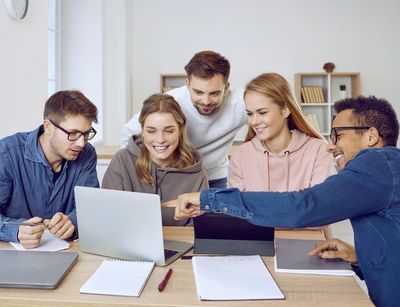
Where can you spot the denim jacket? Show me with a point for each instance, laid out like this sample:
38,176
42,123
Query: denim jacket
26,182
367,192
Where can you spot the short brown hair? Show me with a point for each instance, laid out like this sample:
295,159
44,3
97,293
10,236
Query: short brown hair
65,103
184,153
207,64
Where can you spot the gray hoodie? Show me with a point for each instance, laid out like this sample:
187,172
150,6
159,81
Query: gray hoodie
169,182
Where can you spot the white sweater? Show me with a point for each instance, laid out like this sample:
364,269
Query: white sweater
212,135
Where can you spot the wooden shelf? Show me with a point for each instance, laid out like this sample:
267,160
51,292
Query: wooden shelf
329,83
171,81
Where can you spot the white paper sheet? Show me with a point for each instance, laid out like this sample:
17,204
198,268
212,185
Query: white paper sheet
49,243
234,278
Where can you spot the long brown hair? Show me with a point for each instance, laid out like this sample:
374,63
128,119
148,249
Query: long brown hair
183,154
276,87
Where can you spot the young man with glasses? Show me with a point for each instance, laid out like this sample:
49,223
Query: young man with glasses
214,112
39,170
366,191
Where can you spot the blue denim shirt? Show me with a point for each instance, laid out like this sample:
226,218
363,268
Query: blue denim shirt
367,192
26,182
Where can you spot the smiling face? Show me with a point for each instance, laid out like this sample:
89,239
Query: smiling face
161,137
267,119
207,94
348,142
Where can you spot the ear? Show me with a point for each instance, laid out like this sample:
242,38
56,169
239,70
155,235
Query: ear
227,85
187,82
373,138
286,112
48,127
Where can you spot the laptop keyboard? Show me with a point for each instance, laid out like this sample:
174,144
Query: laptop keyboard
168,253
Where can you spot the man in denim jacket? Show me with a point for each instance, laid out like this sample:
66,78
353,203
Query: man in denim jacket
366,191
39,169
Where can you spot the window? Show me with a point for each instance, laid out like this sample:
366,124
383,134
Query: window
53,47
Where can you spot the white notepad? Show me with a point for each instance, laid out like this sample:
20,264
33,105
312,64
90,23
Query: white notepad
119,277
234,278
48,243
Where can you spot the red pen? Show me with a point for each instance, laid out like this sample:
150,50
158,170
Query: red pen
164,282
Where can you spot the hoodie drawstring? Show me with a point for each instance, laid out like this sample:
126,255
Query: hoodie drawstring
287,169
268,179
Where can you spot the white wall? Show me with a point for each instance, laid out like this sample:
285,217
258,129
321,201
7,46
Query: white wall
23,69
120,47
81,55
96,58
257,36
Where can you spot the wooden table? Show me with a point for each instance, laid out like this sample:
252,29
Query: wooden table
299,290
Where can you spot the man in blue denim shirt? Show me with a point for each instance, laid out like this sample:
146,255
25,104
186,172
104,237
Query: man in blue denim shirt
367,191
39,170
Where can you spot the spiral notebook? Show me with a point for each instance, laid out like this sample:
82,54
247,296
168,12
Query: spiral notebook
119,277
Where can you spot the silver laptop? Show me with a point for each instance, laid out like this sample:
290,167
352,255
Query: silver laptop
30,269
125,225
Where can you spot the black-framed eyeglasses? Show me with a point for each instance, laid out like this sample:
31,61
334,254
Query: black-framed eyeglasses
75,135
336,129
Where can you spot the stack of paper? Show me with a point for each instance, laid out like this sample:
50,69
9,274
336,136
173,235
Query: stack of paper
119,277
234,278
291,256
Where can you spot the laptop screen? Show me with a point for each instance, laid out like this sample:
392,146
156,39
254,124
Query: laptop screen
216,233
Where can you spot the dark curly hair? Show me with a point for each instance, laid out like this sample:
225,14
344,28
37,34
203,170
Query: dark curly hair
373,112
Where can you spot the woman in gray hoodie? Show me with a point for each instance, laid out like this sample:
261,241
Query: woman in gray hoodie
160,160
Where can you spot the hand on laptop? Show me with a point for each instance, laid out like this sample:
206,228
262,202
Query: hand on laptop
29,236
335,248
187,205
60,225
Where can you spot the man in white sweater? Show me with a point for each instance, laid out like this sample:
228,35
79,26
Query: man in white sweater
214,113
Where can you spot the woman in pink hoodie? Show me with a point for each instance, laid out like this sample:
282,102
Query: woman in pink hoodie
282,152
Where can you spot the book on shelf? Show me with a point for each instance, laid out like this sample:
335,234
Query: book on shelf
307,98
303,94
312,119
312,94
319,94
168,88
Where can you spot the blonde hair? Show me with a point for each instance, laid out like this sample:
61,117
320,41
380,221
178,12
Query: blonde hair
183,154
276,87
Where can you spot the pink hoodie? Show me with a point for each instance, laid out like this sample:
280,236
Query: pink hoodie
304,163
